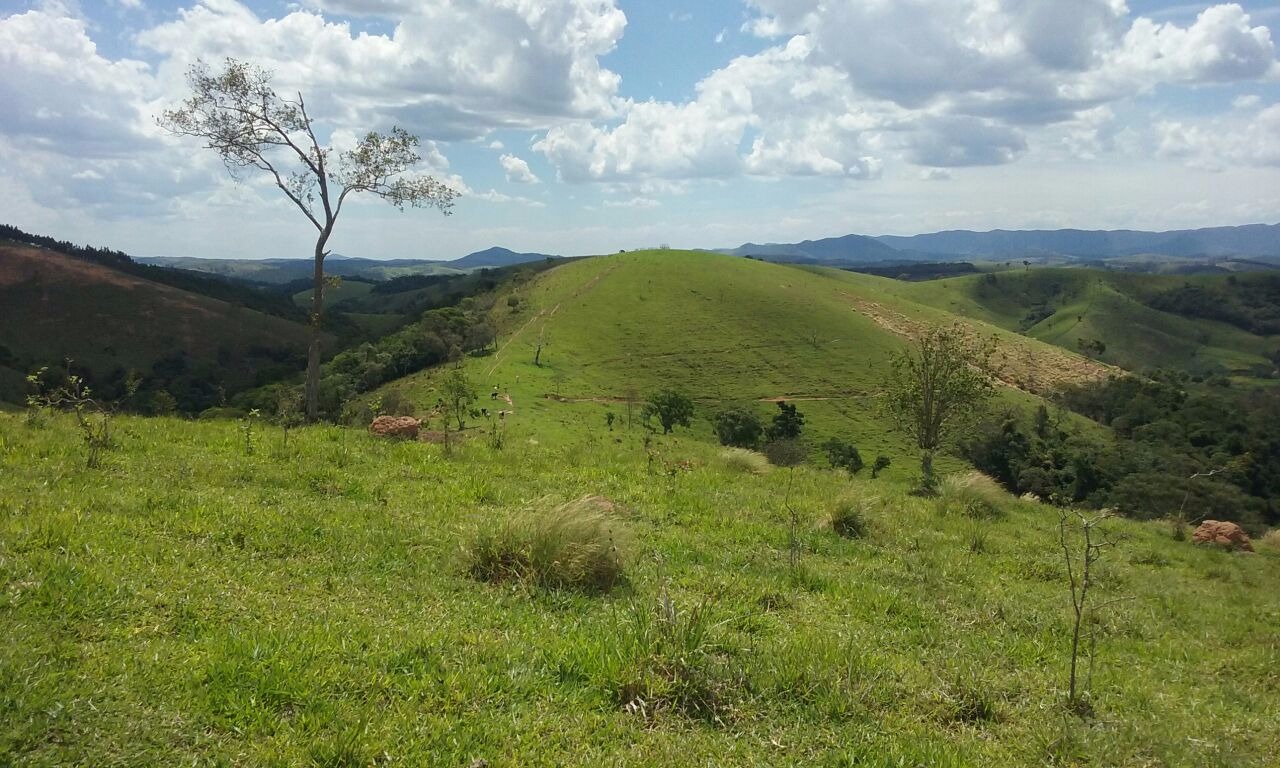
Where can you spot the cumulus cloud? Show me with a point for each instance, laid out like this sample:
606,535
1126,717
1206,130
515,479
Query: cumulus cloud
517,170
1214,145
449,70
937,83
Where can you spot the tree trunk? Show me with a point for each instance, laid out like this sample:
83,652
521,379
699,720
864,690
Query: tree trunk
312,386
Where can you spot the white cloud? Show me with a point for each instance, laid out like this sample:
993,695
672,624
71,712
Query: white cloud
449,70
635,202
938,83
1248,141
517,170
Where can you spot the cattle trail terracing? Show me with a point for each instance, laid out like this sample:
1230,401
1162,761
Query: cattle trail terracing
1041,370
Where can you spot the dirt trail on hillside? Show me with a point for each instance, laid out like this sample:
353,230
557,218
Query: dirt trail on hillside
1041,371
543,314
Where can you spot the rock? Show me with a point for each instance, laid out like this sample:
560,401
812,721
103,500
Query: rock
396,426
1228,535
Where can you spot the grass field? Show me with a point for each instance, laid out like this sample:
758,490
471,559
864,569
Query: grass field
1085,305
308,604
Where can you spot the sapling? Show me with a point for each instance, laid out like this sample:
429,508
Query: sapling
1082,553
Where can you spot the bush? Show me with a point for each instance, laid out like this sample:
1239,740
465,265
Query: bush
744,461
738,427
849,516
574,546
972,494
787,424
843,455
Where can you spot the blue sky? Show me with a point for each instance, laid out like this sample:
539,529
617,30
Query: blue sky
586,126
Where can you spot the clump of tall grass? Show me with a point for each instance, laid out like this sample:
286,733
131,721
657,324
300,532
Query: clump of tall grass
661,657
971,494
850,515
576,545
744,461
1270,540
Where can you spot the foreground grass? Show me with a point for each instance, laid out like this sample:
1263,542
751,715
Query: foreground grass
308,604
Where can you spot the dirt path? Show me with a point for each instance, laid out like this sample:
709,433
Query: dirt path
497,358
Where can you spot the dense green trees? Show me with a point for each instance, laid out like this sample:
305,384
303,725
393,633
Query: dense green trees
1162,434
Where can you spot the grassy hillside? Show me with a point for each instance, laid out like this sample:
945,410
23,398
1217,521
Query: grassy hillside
1068,307
307,604
57,306
724,330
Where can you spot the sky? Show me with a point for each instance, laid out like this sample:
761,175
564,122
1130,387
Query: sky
588,126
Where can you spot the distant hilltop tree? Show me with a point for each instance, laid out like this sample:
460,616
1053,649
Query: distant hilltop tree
240,116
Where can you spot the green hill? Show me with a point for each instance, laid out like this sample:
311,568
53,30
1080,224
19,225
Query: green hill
109,322
306,602
1198,324
724,330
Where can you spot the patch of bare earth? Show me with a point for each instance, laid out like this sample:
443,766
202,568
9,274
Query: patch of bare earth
1038,369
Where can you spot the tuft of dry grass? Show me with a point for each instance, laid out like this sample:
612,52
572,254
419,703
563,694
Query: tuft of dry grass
1270,540
971,494
745,461
576,545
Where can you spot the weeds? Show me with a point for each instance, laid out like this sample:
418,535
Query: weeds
92,418
573,546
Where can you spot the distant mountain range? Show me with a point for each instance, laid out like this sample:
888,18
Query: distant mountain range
288,270
1254,241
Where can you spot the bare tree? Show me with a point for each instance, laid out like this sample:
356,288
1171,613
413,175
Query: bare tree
241,117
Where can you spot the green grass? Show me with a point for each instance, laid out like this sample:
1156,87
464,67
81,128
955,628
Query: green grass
725,331
309,604
1091,304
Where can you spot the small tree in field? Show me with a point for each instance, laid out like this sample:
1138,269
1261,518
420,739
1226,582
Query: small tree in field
935,390
458,393
671,408
241,117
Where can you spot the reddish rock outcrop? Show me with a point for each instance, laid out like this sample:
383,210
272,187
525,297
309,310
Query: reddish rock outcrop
396,426
1227,535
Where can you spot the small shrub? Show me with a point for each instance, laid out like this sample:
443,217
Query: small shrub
738,427
745,461
849,516
972,494
573,546
843,455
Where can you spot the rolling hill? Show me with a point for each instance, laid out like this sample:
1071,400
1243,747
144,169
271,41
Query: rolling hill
724,330
1203,325
109,322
